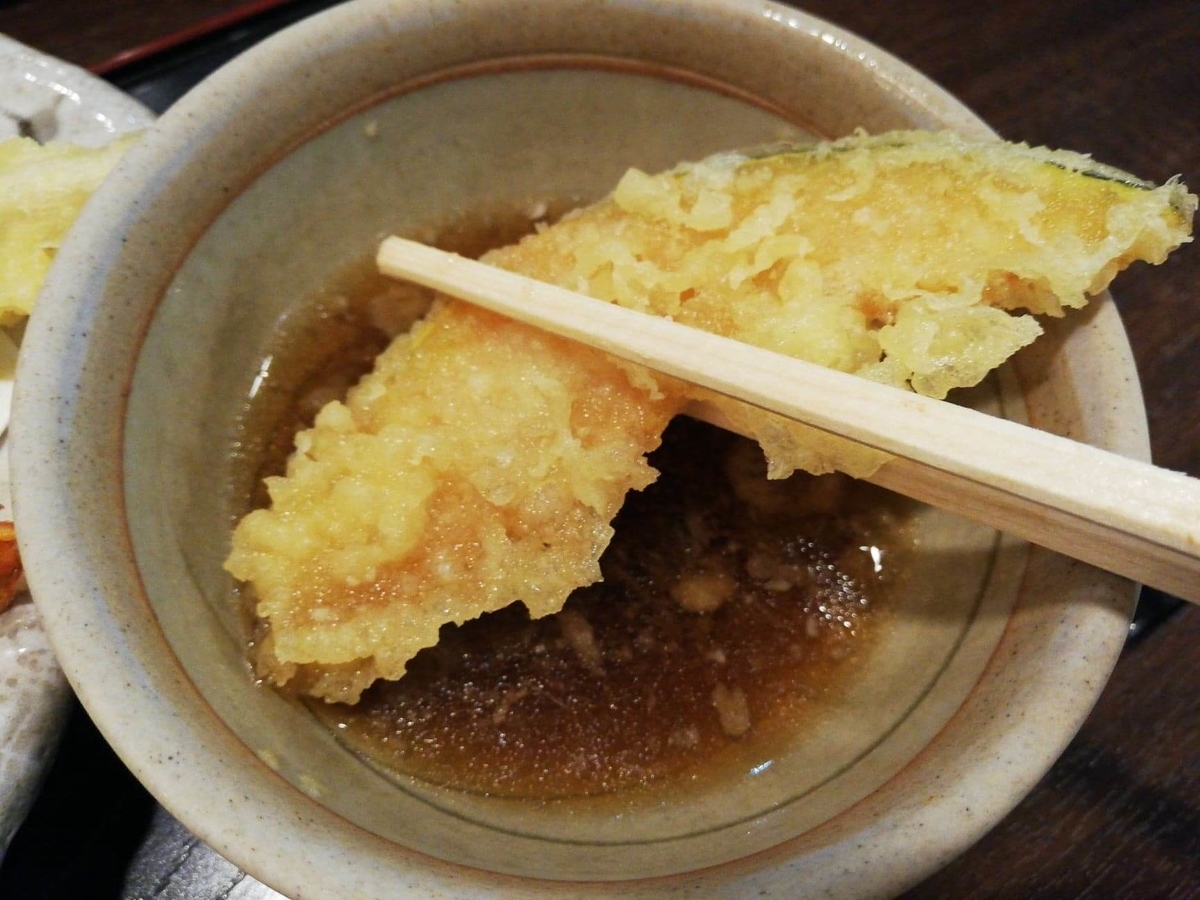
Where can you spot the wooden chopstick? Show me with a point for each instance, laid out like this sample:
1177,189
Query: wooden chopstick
1119,514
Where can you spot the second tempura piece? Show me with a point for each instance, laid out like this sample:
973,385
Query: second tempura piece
42,189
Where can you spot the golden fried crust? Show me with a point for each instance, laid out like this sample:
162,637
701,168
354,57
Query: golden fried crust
479,465
42,190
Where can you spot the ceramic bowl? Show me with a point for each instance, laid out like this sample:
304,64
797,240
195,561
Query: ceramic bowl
290,164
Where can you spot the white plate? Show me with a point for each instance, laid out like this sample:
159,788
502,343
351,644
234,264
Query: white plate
49,100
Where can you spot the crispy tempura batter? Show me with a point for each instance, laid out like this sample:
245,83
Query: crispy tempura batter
482,461
479,464
42,190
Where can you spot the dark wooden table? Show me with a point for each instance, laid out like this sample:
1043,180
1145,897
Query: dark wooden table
1119,815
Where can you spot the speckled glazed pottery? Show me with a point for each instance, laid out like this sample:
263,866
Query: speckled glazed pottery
53,101
290,164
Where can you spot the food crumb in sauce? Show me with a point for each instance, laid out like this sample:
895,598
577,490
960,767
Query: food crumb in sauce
732,710
703,592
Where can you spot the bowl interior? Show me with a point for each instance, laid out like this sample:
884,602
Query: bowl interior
208,268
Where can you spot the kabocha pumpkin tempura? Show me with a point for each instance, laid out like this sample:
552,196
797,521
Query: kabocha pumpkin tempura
481,462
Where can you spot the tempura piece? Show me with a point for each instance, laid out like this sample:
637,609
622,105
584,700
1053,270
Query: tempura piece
42,190
482,461
893,257
478,465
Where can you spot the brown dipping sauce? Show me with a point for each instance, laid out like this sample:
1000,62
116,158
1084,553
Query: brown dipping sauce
728,603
